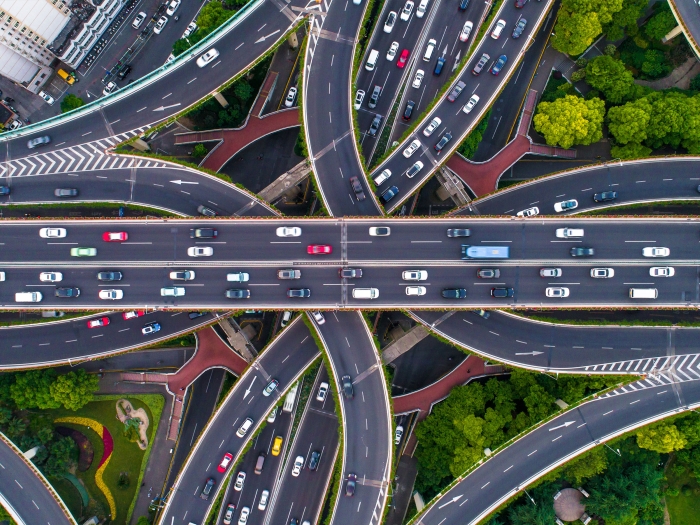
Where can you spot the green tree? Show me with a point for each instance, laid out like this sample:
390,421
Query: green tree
625,21
633,150
15,427
590,464
610,77
539,403
655,64
71,102
243,90
662,438
211,16
695,83
5,415
668,119
689,428
580,22
74,390
32,390
660,24
199,151
61,456
143,520
45,434
570,121
629,123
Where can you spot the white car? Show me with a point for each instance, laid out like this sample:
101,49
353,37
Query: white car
52,233
322,391
662,271
434,124
291,96
390,21
172,291
190,29
298,465
414,275
264,495
415,290
207,57
109,88
182,275
284,231
359,97
47,98
602,273
406,11
412,147
473,101
393,48
398,434
381,231
530,212
422,8
498,29
318,317
559,291
418,79
139,20
50,277
550,272
243,518
651,251
570,204
172,7
466,31
240,480
111,295
238,277
160,25
200,251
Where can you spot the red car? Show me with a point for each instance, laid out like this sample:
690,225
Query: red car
133,314
100,321
317,249
403,58
225,462
115,236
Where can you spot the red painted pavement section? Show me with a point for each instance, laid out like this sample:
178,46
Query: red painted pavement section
423,399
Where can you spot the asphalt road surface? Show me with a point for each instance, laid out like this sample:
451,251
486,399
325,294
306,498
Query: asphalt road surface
366,418
285,360
688,11
453,119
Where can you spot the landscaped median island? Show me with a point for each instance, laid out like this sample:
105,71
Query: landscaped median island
92,449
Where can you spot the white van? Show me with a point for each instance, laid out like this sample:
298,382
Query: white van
565,233
429,49
644,293
372,60
28,297
365,293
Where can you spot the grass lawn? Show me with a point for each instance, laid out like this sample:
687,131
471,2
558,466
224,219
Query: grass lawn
682,509
69,495
127,457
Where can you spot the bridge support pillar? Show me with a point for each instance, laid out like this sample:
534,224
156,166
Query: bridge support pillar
221,99
140,145
293,41
671,34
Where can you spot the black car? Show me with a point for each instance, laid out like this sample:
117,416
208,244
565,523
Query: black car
298,292
4,190
605,196
581,252
519,28
389,194
110,276
350,485
488,273
195,315
350,273
124,72
315,458
347,387
65,192
501,292
67,291
374,126
443,141
458,232
237,293
454,293
409,110
356,186
207,488
203,233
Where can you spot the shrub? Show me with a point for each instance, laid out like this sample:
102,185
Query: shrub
71,102
199,151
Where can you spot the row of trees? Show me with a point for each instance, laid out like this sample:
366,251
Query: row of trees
477,416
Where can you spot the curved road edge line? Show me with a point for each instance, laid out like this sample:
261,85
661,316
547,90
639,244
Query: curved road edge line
11,510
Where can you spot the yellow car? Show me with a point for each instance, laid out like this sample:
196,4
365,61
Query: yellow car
277,446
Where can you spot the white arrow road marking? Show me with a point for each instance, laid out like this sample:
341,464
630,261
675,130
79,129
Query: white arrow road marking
456,498
250,387
262,39
529,353
183,182
562,426
163,108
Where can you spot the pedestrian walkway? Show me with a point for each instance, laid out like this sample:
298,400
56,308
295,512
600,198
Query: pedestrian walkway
231,141
482,177
679,77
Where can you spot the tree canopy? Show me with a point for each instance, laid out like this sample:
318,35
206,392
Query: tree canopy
71,102
580,22
609,76
570,121
44,389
